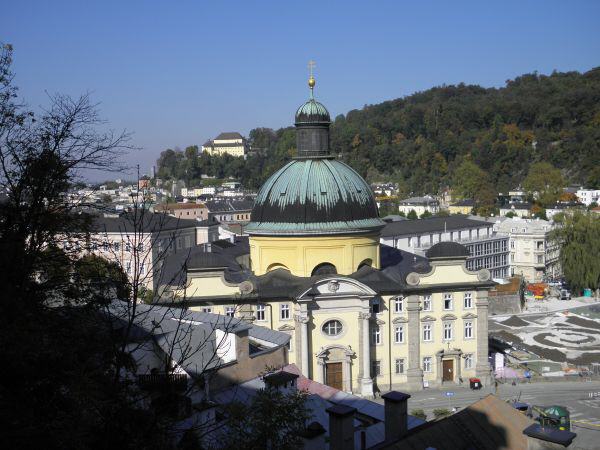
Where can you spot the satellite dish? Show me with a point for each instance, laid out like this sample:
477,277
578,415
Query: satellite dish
246,287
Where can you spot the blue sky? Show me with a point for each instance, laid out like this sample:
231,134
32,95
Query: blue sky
179,72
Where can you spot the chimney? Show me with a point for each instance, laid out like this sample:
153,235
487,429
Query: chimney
546,438
396,415
341,427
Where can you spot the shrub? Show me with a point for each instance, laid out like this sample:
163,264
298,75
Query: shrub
440,412
419,413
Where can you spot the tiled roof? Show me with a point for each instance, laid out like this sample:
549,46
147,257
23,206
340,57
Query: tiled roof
488,424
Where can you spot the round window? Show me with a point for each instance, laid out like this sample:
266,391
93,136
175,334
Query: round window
332,327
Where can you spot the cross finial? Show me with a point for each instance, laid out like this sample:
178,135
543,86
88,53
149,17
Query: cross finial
311,79
311,66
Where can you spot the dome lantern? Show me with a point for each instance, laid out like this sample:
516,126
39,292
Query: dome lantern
312,125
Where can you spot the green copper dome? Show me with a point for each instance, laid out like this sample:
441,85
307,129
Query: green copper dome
314,196
312,112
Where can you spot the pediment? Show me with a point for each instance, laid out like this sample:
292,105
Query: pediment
324,352
400,320
379,321
428,319
286,327
469,316
449,317
337,286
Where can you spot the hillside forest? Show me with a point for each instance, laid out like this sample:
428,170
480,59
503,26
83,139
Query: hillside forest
477,141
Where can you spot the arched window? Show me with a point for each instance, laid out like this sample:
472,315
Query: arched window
276,266
366,263
332,327
324,269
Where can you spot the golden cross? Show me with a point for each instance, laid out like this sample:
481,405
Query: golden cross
311,66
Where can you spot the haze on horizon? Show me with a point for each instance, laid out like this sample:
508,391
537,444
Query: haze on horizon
177,75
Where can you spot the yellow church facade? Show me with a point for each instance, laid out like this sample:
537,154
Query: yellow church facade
302,256
363,316
346,335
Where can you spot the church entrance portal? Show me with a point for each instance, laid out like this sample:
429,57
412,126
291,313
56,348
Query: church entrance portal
334,375
448,367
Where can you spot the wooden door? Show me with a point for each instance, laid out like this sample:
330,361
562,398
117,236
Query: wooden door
448,368
334,375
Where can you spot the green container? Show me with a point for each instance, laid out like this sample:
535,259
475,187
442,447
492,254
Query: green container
587,292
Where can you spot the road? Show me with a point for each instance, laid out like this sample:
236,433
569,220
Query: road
584,410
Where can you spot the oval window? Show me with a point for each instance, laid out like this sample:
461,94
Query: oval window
332,327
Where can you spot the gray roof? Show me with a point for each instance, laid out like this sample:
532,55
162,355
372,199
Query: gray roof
419,201
464,202
266,334
175,266
229,205
431,225
396,264
229,135
189,335
393,218
321,397
447,250
147,222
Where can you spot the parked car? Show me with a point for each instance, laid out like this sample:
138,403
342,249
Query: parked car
565,295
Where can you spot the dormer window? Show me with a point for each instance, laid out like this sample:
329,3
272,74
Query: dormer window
376,306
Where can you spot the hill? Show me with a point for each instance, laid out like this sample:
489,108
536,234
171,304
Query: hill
420,140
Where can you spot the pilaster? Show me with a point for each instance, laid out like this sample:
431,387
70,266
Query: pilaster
365,381
414,374
302,320
482,366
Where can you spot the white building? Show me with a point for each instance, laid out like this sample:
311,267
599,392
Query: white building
562,207
208,190
588,196
532,253
419,205
487,250
139,245
229,143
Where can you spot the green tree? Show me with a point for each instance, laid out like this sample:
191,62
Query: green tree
272,420
412,214
472,182
71,403
467,180
426,214
105,278
546,181
578,235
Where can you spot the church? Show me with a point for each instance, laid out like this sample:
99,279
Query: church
364,317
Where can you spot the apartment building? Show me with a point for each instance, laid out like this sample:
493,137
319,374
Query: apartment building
487,249
533,254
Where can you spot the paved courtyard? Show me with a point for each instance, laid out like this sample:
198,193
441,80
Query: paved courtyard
564,336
